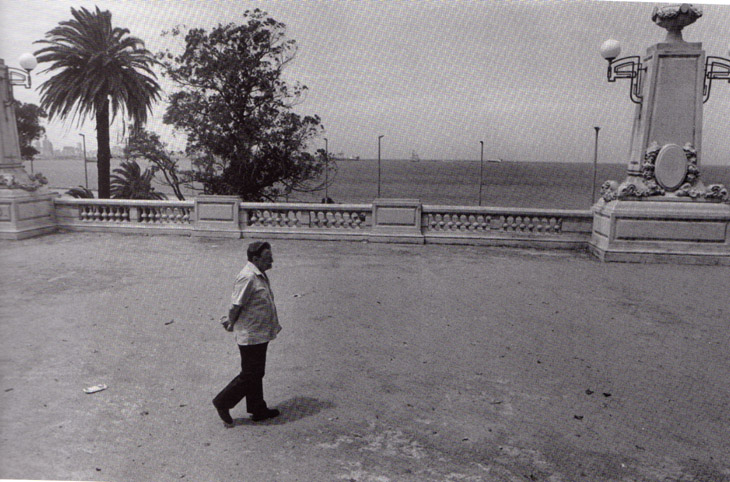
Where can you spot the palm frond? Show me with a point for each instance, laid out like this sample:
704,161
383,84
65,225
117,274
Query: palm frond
93,61
130,182
80,192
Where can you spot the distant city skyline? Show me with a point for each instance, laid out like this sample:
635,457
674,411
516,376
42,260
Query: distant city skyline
434,77
48,150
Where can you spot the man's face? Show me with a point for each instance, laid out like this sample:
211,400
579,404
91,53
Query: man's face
264,260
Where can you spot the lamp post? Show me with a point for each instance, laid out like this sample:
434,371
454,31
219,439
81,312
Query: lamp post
379,137
595,163
326,169
19,192
86,174
481,171
11,162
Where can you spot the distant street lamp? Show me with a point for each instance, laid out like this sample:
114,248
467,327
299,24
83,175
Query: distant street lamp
86,174
326,169
595,163
481,171
379,137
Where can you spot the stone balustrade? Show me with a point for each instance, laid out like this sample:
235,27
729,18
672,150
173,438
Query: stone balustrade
506,226
123,215
382,221
306,221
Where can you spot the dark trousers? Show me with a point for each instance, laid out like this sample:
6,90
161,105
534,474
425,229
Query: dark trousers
248,383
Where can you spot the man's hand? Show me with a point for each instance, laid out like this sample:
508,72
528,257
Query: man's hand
227,324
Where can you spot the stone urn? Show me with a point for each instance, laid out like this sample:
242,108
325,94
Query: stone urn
674,18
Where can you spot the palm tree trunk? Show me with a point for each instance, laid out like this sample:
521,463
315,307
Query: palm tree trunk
103,156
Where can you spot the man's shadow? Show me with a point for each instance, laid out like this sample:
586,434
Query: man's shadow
291,410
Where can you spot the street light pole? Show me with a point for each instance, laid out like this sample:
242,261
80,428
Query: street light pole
326,169
379,137
595,162
86,173
481,171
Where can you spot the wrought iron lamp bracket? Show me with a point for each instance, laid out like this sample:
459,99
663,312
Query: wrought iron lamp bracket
716,68
627,68
19,77
16,77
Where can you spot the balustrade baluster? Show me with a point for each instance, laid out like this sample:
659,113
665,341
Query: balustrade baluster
472,223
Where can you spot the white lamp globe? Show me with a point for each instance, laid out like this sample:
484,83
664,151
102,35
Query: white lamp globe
610,49
28,61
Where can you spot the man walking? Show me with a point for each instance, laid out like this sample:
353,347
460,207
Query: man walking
252,317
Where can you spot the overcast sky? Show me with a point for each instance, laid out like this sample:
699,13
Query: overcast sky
434,77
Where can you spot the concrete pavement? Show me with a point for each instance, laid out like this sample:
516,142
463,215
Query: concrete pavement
395,363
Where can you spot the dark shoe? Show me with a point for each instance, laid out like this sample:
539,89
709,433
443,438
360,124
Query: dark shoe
224,414
268,413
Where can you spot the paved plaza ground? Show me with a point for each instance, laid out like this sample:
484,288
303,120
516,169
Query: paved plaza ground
413,363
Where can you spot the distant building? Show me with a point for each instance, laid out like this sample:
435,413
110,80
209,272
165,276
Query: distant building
44,148
69,151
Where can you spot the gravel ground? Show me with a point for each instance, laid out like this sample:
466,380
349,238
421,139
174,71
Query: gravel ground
413,363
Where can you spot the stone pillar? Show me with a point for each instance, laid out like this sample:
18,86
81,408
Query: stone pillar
397,220
26,206
671,110
663,211
217,216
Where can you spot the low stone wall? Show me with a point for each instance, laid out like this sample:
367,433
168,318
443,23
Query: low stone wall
542,228
128,216
385,220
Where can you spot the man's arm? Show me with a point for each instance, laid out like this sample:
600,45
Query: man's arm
241,294
233,312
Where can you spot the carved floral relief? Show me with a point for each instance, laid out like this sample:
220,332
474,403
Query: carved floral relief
646,185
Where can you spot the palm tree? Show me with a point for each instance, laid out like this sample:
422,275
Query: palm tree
98,66
129,182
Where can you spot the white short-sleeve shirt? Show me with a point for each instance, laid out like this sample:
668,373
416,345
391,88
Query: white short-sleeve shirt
257,321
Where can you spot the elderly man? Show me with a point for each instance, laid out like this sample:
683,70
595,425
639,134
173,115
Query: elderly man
252,317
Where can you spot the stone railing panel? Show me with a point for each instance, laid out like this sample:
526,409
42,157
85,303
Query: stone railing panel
305,221
124,215
488,225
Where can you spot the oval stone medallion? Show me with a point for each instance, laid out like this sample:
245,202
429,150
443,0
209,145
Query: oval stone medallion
670,168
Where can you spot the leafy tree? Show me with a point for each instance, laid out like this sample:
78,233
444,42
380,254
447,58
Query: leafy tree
236,110
98,67
144,144
29,128
130,182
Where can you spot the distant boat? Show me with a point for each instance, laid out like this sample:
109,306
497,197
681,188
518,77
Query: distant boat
414,157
